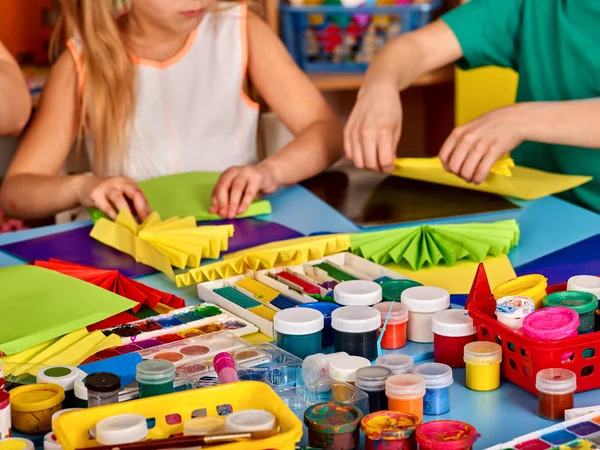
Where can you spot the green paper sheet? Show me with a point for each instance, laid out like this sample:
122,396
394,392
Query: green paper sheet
39,304
432,245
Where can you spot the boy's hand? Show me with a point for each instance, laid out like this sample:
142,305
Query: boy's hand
472,149
373,130
239,186
112,195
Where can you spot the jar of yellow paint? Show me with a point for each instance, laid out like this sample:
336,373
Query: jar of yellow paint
32,407
16,444
482,360
532,286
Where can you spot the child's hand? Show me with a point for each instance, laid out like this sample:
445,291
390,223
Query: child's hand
112,195
239,186
472,149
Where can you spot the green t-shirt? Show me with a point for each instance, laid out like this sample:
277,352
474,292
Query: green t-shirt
554,45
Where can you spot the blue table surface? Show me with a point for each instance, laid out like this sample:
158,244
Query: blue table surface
547,225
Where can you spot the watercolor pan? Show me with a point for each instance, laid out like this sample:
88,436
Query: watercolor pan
254,290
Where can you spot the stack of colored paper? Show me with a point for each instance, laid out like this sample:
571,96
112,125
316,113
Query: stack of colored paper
431,245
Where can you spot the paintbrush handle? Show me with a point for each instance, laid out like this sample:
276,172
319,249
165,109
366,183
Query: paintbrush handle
177,442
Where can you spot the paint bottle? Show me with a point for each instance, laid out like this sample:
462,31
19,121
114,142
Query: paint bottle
102,388
395,331
452,330
250,420
333,426
344,369
357,293
584,283
155,377
422,303
355,330
51,443
531,286
405,393
556,392
438,379
202,426
551,324
5,420
299,331
372,381
80,391
482,360
392,289
122,429
17,444
316,367
64,376
583,303
511,311
225,367
33,405
396,362
326,309
389,430
446,435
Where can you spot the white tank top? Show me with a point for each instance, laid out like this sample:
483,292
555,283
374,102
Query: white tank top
192,113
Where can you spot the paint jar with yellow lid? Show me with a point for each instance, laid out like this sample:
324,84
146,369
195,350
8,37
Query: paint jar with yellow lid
33,406
532,286
482,361
16,444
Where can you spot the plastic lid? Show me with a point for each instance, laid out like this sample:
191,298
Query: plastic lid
551,324
556,381
344,368
436,375
356,319
298,321
452,323
392,290
222,361
482,352
407,385
584,283
396,362
61,412
315,367
357,293
51,443
446,435
398,315
102,382
64,376
582,302
79,387
250,420
201,426
36,397
326,308
389,425
426,299
16,444
122,429
155,371
515,306
532,286
332,418
372,378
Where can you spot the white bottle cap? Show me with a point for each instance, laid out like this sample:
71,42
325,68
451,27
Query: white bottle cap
426,299
79,387
436,375
61,412
452,323
355,319
584,283
50,442
64,376
315,367
396,362
201,426
344,368
16,444
357,293
556,381
250,420
298,321
122,429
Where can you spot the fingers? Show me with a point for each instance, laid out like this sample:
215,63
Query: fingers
238,188
102,203
484,167
369,146
387,149
140,204
462,149
220,197
116,197
473,158
251,193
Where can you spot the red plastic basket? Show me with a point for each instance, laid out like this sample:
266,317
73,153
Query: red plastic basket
523,357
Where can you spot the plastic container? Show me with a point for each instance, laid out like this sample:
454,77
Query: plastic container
333,426
396,362
326,390
57,414
315,367
584,283
50,442
446,435
372,381
299,331
122,429
452,330
556,389
393,289
551,324
583,303
250,420
438,379
155,377
326,309
405,393
202,426
389,430
355,330
17,444
344,368
65,377
532,286
482,360
511,311
225,367
357,293
103,388
5,421
395,331
80,391
33,405
422,303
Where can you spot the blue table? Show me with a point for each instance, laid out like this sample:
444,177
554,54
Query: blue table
547,225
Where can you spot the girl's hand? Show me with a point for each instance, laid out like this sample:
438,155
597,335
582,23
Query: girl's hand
472,149
112,195
239,186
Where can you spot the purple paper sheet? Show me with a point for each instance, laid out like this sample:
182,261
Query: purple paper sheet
77,246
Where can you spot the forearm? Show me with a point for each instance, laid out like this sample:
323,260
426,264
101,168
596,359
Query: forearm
15,100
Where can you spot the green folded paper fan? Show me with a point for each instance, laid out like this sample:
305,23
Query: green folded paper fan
432,245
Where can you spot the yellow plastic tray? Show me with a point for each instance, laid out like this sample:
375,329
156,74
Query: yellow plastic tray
72,428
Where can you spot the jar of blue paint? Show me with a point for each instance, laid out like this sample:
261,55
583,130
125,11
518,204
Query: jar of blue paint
299,331
326,309
438,379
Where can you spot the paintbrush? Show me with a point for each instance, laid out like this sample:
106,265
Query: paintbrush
189,442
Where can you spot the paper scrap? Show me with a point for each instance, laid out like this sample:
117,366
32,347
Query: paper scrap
502,166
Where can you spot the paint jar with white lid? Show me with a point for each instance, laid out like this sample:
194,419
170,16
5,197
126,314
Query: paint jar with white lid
80,391
122,429
511,311
299,331
65,377
355,330
396,362
51,443
423,302
202,426
585,283
316,367
357,293
250,420
344,368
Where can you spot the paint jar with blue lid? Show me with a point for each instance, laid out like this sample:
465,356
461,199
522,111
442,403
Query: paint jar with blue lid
326,309
355,330
299,331
438,379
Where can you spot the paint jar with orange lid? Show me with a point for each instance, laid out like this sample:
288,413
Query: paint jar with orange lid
389,430
33,405
446,435
405,393
333,426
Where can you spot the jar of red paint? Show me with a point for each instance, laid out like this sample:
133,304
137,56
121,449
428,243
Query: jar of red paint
394,335
452,330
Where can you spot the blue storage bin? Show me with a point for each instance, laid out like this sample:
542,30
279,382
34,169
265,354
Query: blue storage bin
331,38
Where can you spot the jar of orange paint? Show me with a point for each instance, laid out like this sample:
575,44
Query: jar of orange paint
394,335
405,393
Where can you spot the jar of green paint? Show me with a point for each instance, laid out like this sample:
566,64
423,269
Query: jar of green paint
65,377
299,331
583,303
155,377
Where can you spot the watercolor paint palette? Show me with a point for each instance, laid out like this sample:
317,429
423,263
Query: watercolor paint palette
581,433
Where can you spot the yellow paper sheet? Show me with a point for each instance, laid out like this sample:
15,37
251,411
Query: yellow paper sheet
459,278
525,183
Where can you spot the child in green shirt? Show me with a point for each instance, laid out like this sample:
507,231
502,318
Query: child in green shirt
554,45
